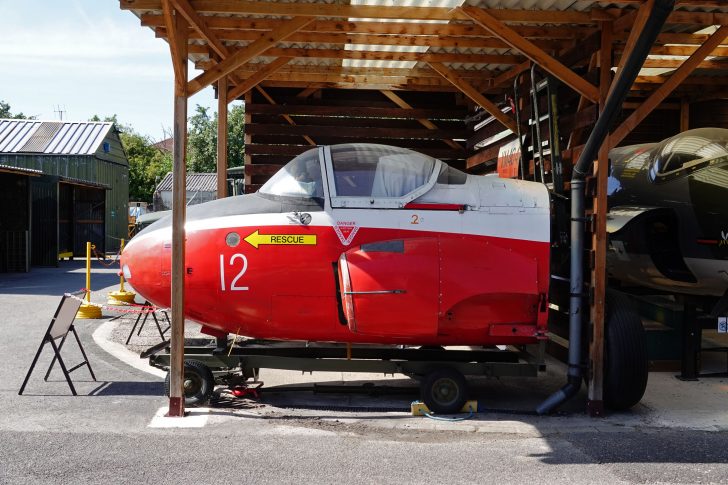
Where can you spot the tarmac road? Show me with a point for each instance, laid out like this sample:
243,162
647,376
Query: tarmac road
104,434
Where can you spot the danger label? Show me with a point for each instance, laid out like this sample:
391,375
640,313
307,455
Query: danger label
346,230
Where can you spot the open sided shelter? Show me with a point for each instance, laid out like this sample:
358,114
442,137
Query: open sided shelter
433,76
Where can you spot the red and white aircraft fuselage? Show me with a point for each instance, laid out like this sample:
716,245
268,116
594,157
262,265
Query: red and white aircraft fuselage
362,243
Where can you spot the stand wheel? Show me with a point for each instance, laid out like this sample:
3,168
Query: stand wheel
625,354
198,383
444,390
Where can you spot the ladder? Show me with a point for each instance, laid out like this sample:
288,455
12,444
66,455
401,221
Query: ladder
540,144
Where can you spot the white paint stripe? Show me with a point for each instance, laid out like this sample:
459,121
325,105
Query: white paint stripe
102,338
194,418
530,224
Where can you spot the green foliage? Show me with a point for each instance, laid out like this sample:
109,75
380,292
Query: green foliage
147,165
202,139
6,113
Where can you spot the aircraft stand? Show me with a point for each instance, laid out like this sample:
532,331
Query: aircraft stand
239,363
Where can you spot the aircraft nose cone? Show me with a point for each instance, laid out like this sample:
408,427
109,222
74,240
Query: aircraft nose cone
140,265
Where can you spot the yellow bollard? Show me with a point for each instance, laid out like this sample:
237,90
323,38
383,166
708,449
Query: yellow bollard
87,310
122,296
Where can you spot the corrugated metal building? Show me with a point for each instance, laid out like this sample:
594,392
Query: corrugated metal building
61,184
201,187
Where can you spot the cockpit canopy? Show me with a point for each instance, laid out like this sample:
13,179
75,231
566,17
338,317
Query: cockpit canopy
360,170
687,148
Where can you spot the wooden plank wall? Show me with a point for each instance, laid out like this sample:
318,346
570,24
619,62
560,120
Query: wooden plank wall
280,131
662,123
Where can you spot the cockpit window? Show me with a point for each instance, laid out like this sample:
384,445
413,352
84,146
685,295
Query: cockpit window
301,177
451,176
376,171
694,145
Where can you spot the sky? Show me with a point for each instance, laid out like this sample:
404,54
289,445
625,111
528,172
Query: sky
87,57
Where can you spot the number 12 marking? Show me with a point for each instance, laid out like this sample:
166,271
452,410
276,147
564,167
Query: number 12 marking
234,282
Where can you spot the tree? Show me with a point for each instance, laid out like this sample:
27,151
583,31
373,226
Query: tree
147,165
5,113
202,139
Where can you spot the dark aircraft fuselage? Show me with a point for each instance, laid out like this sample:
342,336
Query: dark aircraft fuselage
668,219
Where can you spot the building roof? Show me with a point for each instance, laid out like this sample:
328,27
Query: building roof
196,182
404,44
166,145
52,137
20,170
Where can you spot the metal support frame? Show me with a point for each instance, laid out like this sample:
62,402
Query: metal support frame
59,328
340,358
146,314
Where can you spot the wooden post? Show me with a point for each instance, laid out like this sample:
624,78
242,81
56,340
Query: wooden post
222,137
684,114
595,404
247,140
178,48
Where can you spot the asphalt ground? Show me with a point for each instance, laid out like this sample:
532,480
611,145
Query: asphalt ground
113,431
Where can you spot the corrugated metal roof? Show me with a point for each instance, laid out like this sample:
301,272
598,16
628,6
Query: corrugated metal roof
196,182
20,170
393,55
52,137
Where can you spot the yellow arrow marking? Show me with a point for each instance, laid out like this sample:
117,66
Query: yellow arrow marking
256,239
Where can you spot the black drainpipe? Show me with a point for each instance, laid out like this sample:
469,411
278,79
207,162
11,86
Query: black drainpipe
622,84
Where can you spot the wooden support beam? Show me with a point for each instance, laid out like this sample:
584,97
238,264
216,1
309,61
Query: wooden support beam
685,50
668,86
368,85
472,93
197,23
374,55
352,131
295,69
240,57
248,140
675,63
482,42
257,77
462,30
178,62
640,20
684,114
575,136
358,111
599,240
178,28
286,117
373,11
391,95
222,137
520,16
533,52
306,93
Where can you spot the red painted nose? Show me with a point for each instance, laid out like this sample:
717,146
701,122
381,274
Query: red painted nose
141,265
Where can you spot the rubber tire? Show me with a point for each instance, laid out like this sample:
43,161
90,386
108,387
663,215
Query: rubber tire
625,353
445,380
202,383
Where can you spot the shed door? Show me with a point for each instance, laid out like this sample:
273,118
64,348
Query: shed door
89,209
44,231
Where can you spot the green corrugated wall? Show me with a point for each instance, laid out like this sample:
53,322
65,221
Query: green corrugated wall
110,169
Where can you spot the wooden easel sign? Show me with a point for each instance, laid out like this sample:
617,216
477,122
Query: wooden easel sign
59,328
